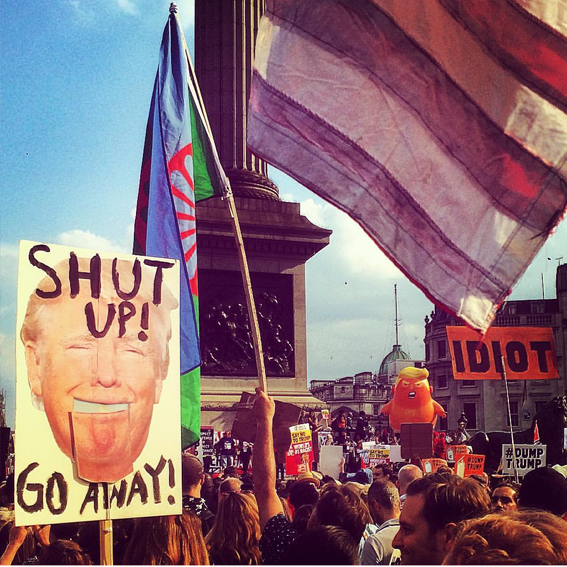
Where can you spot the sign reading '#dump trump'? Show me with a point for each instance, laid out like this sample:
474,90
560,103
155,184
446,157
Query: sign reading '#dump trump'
97,386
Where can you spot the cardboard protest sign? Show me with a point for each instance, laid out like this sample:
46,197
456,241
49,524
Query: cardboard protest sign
528,457
529,353
379,455
431,465
456,452
300,454
470,464
207,441
330,458
363,453
396,454
97,386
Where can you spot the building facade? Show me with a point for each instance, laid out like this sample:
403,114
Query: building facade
365,391
484,401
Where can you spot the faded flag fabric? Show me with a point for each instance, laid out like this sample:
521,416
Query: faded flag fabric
440,126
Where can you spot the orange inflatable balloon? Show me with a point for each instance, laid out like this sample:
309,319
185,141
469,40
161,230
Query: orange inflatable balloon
412,401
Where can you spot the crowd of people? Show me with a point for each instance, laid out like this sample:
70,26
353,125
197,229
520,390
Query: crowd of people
371,517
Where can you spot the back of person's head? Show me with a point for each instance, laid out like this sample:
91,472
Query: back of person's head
343,507
451,501
323,545
230,472
191,472
303,493
544,489
442,473
235,536
167,540
327,479
301,517
382,471
406,475
63,552
384,493
514,538
230,485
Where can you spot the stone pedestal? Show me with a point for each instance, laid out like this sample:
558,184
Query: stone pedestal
278,242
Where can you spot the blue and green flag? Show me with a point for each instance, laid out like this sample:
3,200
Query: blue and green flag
179,168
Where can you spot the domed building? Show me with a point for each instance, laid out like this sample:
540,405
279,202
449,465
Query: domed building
366,391
392,363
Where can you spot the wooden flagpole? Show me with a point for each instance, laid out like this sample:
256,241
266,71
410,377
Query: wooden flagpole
229,198
105,538
514,461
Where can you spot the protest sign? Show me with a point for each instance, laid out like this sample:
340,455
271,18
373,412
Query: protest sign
300,454
207,441
528,457
378,455
431,465
528,352
325,415
469,464
97,386
456,452
324,438
396,454
363,453
330,458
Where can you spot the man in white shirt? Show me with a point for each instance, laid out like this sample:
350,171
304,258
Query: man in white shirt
384,504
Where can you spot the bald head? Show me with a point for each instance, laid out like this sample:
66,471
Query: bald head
407,475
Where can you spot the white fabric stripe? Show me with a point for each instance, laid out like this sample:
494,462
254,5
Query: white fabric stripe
396,138
440,271
506,101
551,12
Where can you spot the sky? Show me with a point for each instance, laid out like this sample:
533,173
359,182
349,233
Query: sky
75,85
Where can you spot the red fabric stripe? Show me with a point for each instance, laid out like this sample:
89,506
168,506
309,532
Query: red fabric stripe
187,233
183,216
531,51
190,252
177,193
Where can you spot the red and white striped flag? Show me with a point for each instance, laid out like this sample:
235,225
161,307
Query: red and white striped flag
440,126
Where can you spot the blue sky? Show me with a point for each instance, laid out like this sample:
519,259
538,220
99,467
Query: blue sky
75,86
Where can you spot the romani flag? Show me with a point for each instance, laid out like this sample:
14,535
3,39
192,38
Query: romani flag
179,168
440,126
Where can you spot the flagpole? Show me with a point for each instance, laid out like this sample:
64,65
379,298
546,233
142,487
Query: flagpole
105,539
229,198
514,461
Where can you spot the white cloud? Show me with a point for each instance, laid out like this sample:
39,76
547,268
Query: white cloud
127,6
86,239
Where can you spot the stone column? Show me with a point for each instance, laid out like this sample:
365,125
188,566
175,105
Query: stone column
225,34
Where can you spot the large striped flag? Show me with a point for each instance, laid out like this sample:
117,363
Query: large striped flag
179,168
440,126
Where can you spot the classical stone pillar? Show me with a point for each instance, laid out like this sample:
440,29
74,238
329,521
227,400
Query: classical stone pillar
278,239
225,33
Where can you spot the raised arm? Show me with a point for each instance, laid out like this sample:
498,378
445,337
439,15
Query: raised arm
264,462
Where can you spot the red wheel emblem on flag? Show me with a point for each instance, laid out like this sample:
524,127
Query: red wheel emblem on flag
180,169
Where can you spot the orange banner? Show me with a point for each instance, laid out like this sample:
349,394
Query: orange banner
528,353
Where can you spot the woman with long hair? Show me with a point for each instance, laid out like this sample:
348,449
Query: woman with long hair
235,535
167,540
